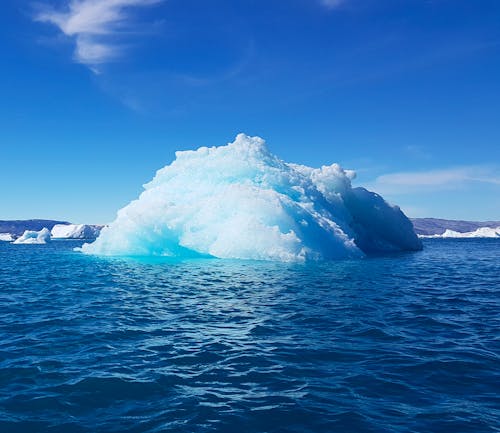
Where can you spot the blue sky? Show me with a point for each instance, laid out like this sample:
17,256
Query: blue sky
97,95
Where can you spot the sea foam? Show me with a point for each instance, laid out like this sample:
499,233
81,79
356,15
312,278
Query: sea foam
240,201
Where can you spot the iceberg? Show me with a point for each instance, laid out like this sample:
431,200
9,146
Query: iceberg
6,237
239,201
75,231
482,232
34,237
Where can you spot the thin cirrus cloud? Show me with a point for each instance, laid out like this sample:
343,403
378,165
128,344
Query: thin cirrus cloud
444,179
95,25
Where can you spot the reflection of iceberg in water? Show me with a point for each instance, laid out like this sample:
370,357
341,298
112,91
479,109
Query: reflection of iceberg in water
240,201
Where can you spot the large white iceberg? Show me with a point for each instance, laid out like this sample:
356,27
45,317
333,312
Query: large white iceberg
482,232
75,231
240,201
34,237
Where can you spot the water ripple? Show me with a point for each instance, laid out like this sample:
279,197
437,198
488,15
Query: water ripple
406,343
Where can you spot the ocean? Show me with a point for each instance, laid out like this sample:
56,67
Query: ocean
408,342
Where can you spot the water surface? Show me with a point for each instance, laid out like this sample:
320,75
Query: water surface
402,343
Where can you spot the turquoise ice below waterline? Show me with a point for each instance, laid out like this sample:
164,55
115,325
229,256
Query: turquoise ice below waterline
241,202
406,343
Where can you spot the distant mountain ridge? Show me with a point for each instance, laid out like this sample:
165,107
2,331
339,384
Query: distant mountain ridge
437,226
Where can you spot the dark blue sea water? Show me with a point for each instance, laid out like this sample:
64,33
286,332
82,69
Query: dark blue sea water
404,343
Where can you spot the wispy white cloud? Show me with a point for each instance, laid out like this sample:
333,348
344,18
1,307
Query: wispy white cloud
449,178
95,26
332,4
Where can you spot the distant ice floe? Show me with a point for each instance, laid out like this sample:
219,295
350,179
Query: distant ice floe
59,231
240,201
75,231
482,232
34,237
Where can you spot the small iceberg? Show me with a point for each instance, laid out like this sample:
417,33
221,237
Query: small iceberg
34,237
239,201
482,232
6,237
75,231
